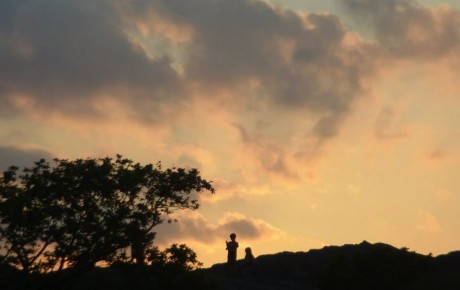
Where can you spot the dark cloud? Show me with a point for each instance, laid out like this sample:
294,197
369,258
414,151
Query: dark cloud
309,74
195,226
11,156
246,229
62,53
406,29
295,61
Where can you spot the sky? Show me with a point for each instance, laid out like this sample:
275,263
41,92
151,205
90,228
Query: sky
319,122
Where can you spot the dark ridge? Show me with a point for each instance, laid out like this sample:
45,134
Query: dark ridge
363,266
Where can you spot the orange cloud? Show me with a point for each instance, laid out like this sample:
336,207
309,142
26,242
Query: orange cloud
194,226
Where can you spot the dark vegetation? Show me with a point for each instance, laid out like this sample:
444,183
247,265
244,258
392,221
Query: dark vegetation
76,213
57,221
359,267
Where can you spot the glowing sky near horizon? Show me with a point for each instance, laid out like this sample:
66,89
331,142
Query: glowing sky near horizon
319,122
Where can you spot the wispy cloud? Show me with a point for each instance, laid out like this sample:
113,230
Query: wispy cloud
428,222
388,125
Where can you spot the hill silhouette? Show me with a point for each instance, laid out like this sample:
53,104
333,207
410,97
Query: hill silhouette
360,266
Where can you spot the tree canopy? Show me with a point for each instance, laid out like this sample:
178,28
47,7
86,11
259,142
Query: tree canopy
75,213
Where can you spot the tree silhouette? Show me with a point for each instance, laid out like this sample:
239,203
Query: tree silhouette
182,257
176,257
26,230
75,213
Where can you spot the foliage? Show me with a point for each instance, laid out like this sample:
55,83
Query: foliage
179,257
76,213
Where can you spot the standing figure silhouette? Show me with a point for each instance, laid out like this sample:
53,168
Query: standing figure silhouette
231,249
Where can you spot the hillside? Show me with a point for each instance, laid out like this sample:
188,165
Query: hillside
362,266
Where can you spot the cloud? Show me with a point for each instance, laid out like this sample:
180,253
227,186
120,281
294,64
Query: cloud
290,60
194,226
438,155
427,222
161,61
247,228
224,190
270,158
387,125
65,56
60,55
406,29
14,156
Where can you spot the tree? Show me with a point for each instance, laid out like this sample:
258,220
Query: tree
176,257
89,212
26,232
78,212
182,257
161,193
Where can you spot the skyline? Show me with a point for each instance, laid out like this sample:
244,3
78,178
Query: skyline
318,126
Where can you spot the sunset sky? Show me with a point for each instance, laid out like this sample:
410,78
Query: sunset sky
319,122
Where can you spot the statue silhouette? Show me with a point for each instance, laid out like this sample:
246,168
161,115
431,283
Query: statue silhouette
232,246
